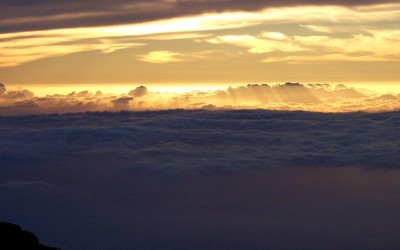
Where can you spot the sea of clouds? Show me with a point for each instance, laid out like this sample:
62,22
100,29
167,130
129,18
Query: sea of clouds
191,141
203,179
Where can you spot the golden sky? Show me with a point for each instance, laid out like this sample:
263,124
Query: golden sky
304,42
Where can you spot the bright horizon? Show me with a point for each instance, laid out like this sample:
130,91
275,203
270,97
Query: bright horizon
316,97
384,87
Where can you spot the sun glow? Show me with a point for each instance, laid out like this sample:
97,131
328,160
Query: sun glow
42,90
287,96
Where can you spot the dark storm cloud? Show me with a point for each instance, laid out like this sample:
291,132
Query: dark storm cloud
37,15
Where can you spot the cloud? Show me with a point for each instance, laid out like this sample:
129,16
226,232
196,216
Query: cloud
18,94
26,185
165,56
29,15
368,46
268,42
14,94
319,28
43,43
376,45
180,141
203,178
2,89
59,42
287,96
162,56
21,47
122,101
139,91
21,50
274,35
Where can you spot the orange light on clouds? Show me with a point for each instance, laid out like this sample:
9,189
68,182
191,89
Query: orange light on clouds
300,43
289,96
48,43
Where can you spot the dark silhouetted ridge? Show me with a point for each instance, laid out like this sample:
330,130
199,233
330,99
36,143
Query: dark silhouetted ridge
12,237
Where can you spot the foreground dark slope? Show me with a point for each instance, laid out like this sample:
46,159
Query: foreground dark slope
204,179
12,237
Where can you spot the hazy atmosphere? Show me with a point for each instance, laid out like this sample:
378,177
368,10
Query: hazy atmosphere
201,124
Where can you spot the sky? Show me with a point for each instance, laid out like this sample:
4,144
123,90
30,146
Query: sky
66,56
202,42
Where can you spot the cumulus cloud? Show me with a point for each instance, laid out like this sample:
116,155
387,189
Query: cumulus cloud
287,96
17,94
139,91
122,101
14,94
2,89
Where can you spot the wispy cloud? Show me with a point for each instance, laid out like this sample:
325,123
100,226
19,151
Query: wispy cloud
20,16
373,45
17,48
20,47
22,50
165,56
161,57
258,45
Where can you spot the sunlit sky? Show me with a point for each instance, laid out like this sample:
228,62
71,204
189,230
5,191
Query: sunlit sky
295,42
54,47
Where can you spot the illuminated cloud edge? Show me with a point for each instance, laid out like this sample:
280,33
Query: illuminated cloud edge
287,96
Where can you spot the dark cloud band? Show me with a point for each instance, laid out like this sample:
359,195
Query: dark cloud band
38,15
186,142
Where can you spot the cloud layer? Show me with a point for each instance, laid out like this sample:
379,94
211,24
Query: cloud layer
288,96
316,33
184,142
38,15
203,179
